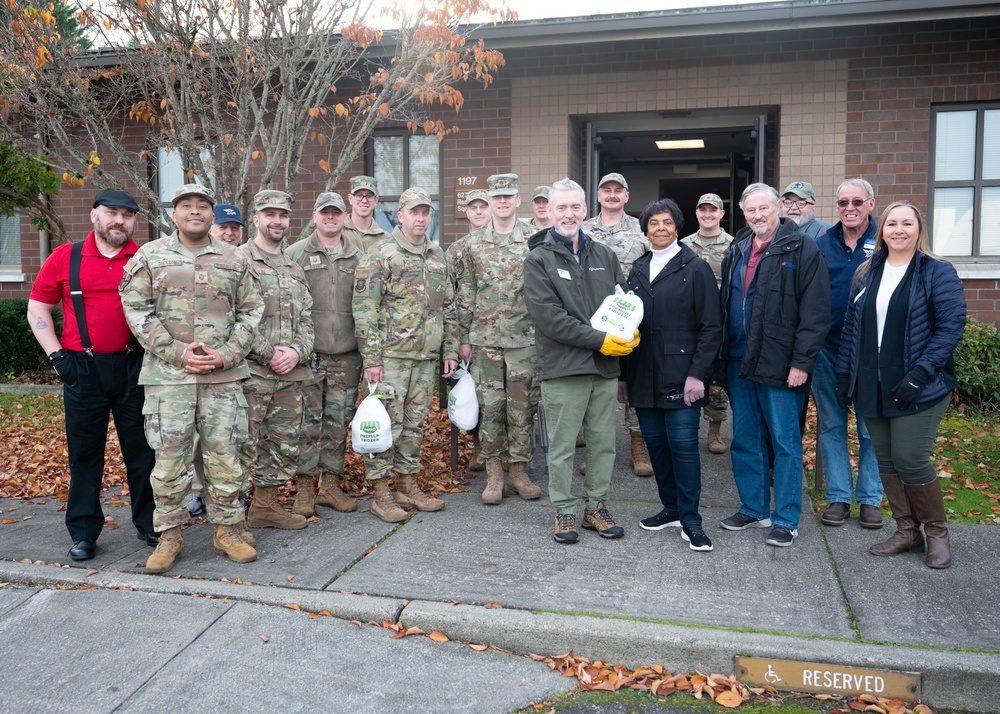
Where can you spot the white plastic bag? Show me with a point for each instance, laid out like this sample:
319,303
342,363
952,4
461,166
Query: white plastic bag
619,314
463,405
371,430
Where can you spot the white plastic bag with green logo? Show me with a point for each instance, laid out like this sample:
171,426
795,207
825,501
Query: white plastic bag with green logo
371,430
619,314
463,405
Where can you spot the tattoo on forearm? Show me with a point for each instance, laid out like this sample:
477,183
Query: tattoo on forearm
41,324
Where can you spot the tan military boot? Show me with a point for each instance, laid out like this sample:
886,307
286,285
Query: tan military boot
640,458
248,537
476,464
229,541
331,495
167,551
267,512
408,494
715,443
305,499
518,478
580,441
493,493
384,506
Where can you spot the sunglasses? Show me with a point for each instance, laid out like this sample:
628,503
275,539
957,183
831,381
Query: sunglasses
856,202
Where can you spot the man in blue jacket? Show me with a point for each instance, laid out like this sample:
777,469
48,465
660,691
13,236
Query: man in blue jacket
845,246
775,299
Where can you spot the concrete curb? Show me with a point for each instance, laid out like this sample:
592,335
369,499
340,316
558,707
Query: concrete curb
951,679
31,389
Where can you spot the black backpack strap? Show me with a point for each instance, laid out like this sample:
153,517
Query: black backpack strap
75,258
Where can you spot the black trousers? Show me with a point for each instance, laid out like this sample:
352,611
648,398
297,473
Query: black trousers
95,387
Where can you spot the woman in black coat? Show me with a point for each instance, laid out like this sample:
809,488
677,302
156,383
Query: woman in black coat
666,374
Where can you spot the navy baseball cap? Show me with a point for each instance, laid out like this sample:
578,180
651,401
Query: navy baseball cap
227,213
116,198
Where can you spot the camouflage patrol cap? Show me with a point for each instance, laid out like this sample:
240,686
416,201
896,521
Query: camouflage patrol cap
617,178
194,189
712,199
326,200
477,194
502,185
414,196
270,198
802,189
367,183
541,192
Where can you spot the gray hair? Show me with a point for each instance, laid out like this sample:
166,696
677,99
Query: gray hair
756,188
860,183
568,184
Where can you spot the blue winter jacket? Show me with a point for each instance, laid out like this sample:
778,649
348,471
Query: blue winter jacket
935,323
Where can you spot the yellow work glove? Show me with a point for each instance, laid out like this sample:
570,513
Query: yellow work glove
615,346
635,341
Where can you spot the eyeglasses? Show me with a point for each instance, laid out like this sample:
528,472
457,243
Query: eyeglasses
856,202
797,202
367,197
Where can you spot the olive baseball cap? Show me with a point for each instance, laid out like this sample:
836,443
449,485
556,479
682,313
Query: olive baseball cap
618,178
802,189
476,194
366,183
326,200
414,196
271,198
541,192
713,199
194,189
502,185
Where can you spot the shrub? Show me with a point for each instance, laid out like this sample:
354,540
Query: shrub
19,351
977,364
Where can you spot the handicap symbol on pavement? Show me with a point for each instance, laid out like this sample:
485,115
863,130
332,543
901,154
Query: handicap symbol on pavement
771,676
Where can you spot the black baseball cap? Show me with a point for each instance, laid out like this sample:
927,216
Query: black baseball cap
116,198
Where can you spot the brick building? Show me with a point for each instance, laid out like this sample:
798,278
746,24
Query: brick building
905,94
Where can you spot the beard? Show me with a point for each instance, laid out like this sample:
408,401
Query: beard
115,241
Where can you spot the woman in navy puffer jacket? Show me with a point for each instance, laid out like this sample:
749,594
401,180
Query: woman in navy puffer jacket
905,316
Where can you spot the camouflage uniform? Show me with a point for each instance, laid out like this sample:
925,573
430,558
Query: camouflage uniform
363,239
403,313
276,400
711,251
174,295
627,241
492,317
330,394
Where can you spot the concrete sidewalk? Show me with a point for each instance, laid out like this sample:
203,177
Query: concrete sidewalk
645,599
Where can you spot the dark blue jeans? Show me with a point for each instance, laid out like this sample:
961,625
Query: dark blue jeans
671,437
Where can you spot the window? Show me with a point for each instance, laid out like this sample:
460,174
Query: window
10,248
171,175
965,181
400,161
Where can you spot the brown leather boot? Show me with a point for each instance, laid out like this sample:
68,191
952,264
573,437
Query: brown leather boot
640,458
408,494
907,537
267,512
476,463
228,540
305,499
168,550
384,506
331,495
927,503
493,493
518,478
715,443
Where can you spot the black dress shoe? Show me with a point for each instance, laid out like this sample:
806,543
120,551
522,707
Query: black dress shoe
83,550
151,539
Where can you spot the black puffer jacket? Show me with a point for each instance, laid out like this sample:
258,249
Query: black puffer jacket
681,330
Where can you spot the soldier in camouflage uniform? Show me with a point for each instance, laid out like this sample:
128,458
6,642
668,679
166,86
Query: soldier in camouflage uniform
621,232
279,363
497,334
361,228
709,243
330,393
403,313
477,210
540,218
193,303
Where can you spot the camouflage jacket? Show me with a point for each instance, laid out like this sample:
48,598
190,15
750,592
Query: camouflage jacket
625,238
174,295
490,301
453,256
711,251
287,318
363,239
331,282
404,302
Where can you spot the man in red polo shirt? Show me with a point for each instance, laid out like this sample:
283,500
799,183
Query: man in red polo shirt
99,369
